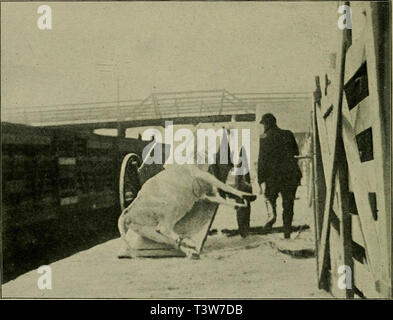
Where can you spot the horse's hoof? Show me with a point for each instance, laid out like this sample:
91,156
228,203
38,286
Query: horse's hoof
187,243
194,256
190,253
124,253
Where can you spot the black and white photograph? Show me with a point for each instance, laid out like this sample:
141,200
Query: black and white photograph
196,150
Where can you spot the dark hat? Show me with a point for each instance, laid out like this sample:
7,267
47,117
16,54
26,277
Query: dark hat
268,119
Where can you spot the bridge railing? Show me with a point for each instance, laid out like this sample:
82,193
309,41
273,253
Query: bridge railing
155,106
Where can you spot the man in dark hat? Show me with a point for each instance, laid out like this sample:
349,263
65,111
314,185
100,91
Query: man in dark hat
278,170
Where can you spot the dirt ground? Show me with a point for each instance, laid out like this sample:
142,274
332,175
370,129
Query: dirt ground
230,267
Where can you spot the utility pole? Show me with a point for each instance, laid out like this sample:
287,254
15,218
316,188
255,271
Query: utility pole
120,132
114,69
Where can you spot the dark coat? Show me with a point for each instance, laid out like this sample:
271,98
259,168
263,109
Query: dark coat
276,162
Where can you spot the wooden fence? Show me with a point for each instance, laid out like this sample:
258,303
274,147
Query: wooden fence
352,159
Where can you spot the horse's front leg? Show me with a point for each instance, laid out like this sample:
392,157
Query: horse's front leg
186,245
226,202
217,184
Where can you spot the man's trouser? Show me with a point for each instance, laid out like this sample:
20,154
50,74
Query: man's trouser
243,214
288,194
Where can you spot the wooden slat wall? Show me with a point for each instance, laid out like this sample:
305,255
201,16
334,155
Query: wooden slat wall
49,173
367,195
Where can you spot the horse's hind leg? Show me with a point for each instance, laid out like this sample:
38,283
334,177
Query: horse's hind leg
148,232
151,233
124,251
186,245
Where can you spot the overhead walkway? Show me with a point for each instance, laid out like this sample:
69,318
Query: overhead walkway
187,107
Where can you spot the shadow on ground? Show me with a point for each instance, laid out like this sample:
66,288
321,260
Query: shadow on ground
263,231
27,248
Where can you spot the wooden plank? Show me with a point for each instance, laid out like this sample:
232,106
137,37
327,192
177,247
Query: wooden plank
68,200
23,138
359,183
357,233
336,260
15,186
364,281
342,194
331,169
93,144
367,177
66,161
340,242
382,153
318,186
326,153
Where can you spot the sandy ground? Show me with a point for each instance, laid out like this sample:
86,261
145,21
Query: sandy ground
230,267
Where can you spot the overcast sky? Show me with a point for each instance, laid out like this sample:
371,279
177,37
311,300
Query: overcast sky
242,47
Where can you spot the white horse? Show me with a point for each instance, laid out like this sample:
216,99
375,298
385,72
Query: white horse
167,197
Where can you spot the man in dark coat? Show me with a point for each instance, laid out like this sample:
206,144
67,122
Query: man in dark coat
278,170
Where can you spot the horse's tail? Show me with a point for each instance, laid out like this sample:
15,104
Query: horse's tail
121,222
